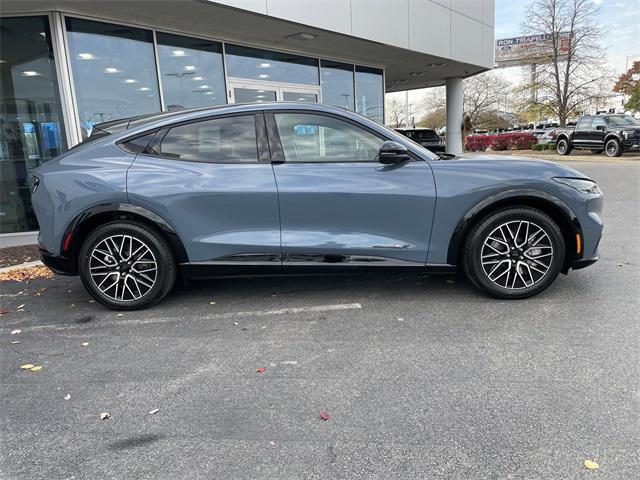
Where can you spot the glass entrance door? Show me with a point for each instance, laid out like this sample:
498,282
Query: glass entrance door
249,91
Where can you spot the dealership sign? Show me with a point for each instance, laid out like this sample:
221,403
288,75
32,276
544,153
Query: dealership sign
530,49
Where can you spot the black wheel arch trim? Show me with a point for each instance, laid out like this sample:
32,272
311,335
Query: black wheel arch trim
125,208
462,227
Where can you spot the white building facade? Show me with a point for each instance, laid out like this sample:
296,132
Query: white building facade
67,65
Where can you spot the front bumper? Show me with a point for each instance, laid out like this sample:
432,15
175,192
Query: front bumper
60,265
584,263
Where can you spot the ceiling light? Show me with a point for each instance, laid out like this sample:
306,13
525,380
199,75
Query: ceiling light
86,56
31,73
263,75
3,61
189,67
260,91
178,53
259,96
416,74
400,81
198,78
301,36
144,89
435,65
265,65
204,86
111,70
130,80
208,93
44,34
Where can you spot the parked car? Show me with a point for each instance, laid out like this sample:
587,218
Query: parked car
289,188
426,137
613,134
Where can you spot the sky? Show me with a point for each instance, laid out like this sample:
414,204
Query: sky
619,19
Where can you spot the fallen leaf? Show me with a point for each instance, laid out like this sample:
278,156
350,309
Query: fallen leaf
105,416
84,344
325,416
16,331
27,366
400,319
72,305
272,443
154,411
119,315
591,465
261,370
212,303
4,312
67,396
235,323
36,368
20,306
15,342
27,274
619,264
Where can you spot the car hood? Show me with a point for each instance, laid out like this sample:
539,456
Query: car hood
517,163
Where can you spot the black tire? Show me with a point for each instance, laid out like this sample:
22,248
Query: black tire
563,147
596,151
526,281
613,147
157,260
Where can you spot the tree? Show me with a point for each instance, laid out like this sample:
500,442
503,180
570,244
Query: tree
572,77
485,94
629,84
395,112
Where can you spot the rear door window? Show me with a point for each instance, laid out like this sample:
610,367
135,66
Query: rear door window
220,140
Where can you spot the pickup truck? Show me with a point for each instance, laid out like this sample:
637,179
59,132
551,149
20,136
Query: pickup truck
611,133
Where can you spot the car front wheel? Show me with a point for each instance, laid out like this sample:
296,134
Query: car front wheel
126,265
514,253
613,148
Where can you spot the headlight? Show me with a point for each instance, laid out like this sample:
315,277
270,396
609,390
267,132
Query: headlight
581,184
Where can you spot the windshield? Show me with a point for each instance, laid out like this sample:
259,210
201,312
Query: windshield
623,121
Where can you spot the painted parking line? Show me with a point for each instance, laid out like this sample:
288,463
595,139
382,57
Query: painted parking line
213,316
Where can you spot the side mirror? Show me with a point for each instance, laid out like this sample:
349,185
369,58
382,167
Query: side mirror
392,152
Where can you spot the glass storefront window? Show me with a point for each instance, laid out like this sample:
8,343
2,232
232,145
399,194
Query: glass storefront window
337,84
191,72
31,126
246,62
370,93
114,71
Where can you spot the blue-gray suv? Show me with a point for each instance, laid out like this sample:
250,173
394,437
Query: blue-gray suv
288,188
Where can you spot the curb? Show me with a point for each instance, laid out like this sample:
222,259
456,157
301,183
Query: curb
37,263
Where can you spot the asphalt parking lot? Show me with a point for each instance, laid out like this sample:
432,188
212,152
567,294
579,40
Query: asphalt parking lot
423,377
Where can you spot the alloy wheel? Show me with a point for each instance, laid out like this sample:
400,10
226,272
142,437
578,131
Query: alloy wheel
517,254
123,268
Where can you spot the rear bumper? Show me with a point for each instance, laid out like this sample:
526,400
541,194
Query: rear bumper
60,265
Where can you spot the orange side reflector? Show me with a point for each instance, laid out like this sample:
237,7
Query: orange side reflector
578,244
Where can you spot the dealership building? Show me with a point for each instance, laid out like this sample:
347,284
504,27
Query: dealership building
68,65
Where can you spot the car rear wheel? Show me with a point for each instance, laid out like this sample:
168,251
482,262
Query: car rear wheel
563,147
613,148
126,265
514,253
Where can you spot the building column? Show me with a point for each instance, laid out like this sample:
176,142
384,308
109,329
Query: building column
454,115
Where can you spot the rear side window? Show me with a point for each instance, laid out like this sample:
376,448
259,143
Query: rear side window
222,140
138,144
584,123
